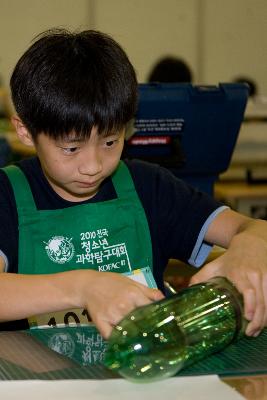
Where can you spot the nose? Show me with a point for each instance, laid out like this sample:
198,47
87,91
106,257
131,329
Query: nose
90,163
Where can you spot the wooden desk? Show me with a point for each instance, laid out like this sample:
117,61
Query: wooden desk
251,387
248,199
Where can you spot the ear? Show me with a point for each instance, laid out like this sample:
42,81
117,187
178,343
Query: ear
23,134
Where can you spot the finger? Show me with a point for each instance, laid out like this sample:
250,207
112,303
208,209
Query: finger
249,298
104,327
122,307
206,273
155,294
255,296
259,316
143,299
105,320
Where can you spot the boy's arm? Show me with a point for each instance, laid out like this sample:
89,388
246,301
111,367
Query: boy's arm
108,297
244,262
2,264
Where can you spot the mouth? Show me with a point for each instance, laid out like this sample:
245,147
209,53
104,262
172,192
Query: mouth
88,184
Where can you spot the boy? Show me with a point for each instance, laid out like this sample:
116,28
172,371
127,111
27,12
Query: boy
75,219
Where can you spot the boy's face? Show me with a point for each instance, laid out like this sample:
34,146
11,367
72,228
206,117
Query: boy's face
76,168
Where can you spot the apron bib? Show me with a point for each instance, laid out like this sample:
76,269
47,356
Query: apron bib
112,236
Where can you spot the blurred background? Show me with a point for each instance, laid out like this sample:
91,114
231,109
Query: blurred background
220,40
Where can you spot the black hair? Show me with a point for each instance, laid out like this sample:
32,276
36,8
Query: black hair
252,86
71,81
170,69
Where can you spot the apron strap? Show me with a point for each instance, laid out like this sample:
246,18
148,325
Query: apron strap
121,179
123,182
22,191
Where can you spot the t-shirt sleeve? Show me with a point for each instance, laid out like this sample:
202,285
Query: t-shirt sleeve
202,249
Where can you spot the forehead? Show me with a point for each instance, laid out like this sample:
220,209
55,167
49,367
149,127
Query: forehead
74,137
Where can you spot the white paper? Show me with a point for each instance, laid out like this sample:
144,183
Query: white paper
208,387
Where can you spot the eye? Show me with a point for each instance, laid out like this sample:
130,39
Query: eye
111,142
69,150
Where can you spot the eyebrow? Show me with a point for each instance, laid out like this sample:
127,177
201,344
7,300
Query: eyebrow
108,134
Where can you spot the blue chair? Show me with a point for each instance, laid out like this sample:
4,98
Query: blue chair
192,130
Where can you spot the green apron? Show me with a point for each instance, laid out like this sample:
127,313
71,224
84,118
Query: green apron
112,236
106,236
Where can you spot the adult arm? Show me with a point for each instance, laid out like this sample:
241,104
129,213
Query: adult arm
244,262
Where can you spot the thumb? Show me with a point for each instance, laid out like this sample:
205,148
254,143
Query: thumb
154,294
207,272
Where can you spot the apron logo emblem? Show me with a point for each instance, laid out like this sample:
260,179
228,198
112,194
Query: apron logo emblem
62,343
60,249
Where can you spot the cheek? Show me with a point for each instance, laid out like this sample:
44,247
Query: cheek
56,168
114,158
53,164
117,152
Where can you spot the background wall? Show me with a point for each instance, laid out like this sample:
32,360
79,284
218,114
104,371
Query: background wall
21,20
150,28
235,40
220,39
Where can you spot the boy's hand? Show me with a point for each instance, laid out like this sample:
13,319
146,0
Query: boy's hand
109,296
244,264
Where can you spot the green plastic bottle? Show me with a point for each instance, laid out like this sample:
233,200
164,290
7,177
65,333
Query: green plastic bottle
157,340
